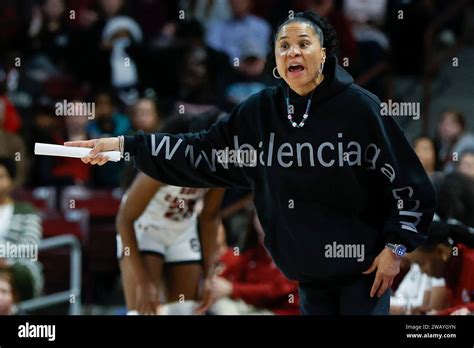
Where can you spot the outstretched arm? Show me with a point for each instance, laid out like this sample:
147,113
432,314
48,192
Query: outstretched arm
188,160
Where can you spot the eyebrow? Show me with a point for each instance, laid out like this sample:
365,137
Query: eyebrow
286,37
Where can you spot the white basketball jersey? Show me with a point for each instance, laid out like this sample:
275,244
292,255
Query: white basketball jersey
172,209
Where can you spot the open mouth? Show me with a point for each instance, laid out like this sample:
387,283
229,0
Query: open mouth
295,68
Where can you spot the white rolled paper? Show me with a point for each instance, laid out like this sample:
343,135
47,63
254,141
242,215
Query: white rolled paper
71,151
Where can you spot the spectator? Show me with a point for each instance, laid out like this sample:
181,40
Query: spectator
207,11
425,149
50,34
202,61
466,163
418,293
455,193
73,172
145,116
7,295
121,40
89,66
20,224
10,120
112,8
448,253
108,122
46,128
453,138
248,77
251,283
185,49
367,18
22,85
195,82
12,146
366,12
226,36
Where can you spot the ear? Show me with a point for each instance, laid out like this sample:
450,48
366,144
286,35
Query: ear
323,54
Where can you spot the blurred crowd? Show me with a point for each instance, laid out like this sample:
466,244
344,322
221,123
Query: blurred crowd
142,64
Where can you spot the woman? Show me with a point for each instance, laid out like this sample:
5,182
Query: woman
333,181
145,115
425,149
20,225
418,292
158,242
51,35
453,138
448,253
158,236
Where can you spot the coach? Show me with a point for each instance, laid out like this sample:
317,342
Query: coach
372,197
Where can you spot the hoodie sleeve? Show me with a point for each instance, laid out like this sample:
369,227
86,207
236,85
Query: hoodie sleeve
402,180
191,159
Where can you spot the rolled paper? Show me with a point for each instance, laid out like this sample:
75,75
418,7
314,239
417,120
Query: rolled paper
71,151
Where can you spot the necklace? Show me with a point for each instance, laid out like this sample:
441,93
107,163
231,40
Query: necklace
305,115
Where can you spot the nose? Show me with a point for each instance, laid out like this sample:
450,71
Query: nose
294,51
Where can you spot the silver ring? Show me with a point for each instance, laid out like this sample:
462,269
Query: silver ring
275,75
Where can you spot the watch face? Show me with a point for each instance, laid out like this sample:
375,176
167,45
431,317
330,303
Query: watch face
400,250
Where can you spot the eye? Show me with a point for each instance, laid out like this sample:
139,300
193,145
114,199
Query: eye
284,45
304,44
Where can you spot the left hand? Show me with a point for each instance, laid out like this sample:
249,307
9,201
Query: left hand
388,266
207,297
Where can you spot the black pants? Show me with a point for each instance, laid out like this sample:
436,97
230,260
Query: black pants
349,296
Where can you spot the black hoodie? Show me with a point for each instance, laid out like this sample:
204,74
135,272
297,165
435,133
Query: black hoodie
329,195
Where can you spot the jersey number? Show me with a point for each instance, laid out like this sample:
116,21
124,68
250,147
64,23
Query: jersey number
179,208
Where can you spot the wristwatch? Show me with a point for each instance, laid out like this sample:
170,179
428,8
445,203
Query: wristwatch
397,249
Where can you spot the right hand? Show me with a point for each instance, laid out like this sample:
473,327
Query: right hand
147,298
97,145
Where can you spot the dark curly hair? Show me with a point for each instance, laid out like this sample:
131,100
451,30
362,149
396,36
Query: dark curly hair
456,198
325,32
448,233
